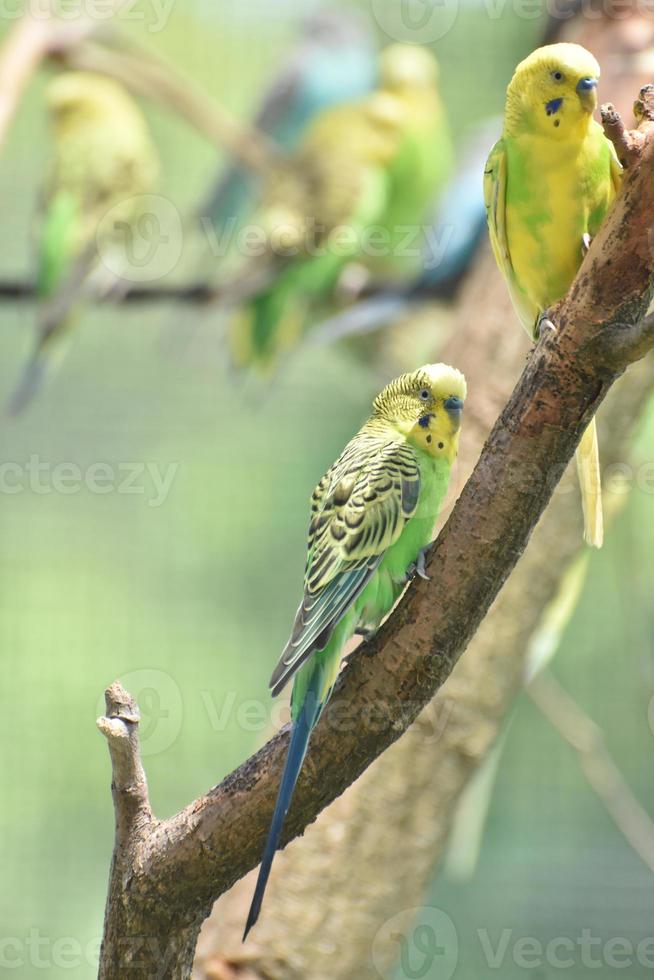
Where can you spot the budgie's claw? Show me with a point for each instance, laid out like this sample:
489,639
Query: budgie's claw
542,324
418,567
365,632
585,243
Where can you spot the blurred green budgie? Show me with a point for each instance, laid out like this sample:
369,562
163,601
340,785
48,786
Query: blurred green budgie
549,182
358,188
372,516
424,159
103,161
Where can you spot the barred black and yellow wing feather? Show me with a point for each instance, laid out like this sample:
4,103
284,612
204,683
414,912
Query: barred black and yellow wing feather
358,510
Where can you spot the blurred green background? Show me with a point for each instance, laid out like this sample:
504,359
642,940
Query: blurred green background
189,598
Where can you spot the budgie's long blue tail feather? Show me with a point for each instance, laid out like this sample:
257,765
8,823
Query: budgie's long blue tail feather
31,380
364,317
300,734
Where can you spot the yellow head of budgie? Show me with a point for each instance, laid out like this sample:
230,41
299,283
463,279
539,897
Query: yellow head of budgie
366,131
553,92
84,97
426,406
384,120
407,66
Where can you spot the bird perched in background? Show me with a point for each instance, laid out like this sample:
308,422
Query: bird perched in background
549,182
372,516
334,62
425,157
455,232
103,160
374,165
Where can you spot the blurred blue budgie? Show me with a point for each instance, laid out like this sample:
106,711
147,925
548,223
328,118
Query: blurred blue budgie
334,62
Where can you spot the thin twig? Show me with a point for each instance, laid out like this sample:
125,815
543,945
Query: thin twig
584,736
19,290
129,784
197,292
148,76
34,38
29,41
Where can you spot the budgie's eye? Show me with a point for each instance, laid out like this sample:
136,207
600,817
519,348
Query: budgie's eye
557,76
425,394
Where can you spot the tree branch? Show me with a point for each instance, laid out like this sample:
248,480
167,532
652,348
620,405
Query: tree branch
196,855
141,71
195,292
34,38
129,785
200,293
29,41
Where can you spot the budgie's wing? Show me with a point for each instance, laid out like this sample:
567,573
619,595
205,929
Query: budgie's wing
280,97
59,274
495,175
234,187
358,510
56,314
495,204
59,235
351,198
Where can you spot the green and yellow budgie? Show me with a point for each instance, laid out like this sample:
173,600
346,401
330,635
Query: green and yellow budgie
374,164
424,160
549,182
372,516
103,161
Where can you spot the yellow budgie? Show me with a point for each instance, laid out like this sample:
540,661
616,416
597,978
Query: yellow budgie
103,163
549,182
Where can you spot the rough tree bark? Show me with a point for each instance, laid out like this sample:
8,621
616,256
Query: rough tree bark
166,874
373,851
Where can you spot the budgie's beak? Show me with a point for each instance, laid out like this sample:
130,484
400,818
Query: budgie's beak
587,92
454,408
